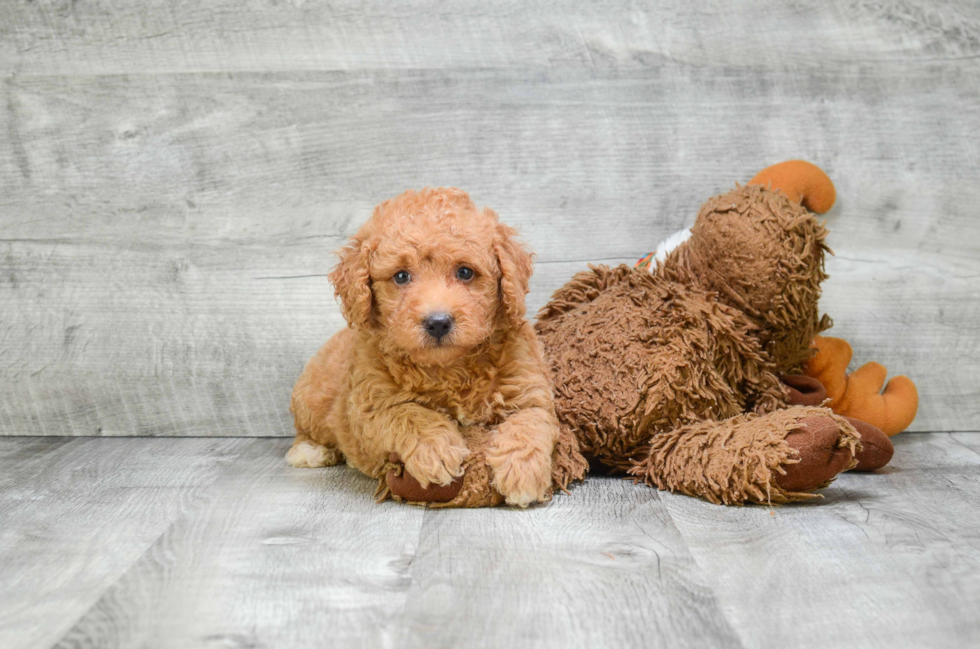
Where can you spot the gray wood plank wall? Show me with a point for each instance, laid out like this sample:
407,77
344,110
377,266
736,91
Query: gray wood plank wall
173,177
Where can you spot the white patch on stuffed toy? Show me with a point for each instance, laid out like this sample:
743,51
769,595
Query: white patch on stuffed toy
667,246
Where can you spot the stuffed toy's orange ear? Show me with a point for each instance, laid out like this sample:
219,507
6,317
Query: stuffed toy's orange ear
801,182
859,395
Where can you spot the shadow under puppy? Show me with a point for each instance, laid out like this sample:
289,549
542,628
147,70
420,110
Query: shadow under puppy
438,369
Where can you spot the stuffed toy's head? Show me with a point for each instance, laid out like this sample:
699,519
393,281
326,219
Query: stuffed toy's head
763,255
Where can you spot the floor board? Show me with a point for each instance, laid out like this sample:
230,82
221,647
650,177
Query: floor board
217,542
890,559
275,557
604,566
77,513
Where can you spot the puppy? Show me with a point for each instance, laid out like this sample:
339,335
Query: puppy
433,291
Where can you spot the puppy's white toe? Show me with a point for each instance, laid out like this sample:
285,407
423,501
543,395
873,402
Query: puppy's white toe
522,484
310,455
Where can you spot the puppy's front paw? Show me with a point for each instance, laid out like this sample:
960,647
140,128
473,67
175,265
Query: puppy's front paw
437,460
522,479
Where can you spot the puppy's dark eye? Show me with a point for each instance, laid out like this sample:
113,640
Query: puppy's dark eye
402,277
464,273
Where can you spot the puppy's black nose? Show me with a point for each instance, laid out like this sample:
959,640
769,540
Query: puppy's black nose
438,325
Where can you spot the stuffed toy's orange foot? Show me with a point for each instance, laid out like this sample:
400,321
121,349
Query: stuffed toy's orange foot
859,394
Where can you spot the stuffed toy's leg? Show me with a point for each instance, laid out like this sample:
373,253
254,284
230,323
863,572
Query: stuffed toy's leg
779,457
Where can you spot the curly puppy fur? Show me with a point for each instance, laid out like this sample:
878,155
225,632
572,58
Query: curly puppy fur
386,384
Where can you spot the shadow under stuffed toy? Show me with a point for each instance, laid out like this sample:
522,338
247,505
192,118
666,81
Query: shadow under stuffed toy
688,377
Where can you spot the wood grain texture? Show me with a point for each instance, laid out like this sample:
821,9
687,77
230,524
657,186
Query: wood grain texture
77,513
276,557
165,237
173,177
217,543
886,559
969,440
121,37
602,567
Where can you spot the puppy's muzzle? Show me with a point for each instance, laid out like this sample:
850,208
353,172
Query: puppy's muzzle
438,325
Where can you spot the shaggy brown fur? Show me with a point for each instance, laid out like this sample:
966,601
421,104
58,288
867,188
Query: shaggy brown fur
386,385
635,355
654,373
763,255
738,459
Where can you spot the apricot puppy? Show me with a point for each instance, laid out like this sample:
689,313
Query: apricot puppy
433,291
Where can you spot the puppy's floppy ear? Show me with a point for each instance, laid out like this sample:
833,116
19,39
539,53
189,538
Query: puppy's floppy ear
351,281
515,271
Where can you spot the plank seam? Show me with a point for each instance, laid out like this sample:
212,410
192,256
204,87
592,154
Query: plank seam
200,500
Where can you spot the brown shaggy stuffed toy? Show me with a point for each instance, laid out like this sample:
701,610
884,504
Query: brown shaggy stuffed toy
674,377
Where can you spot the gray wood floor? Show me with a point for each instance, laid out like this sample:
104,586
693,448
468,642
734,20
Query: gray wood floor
216,542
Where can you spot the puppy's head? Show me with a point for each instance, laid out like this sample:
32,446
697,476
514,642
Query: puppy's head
432,275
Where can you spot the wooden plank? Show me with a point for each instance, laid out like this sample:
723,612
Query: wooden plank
77,513
163,237
603,567
123,373
111,37
889,559
970,440
188,341
141,162
911,312
276,557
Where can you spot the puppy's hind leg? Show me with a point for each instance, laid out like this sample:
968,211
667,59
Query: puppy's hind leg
306,453
313,404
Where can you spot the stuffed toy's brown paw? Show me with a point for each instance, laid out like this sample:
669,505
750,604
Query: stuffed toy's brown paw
816,440
821,456
876,449
803,390
404,486
860,393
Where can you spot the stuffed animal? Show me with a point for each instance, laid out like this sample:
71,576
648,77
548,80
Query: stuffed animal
673,377
858,395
